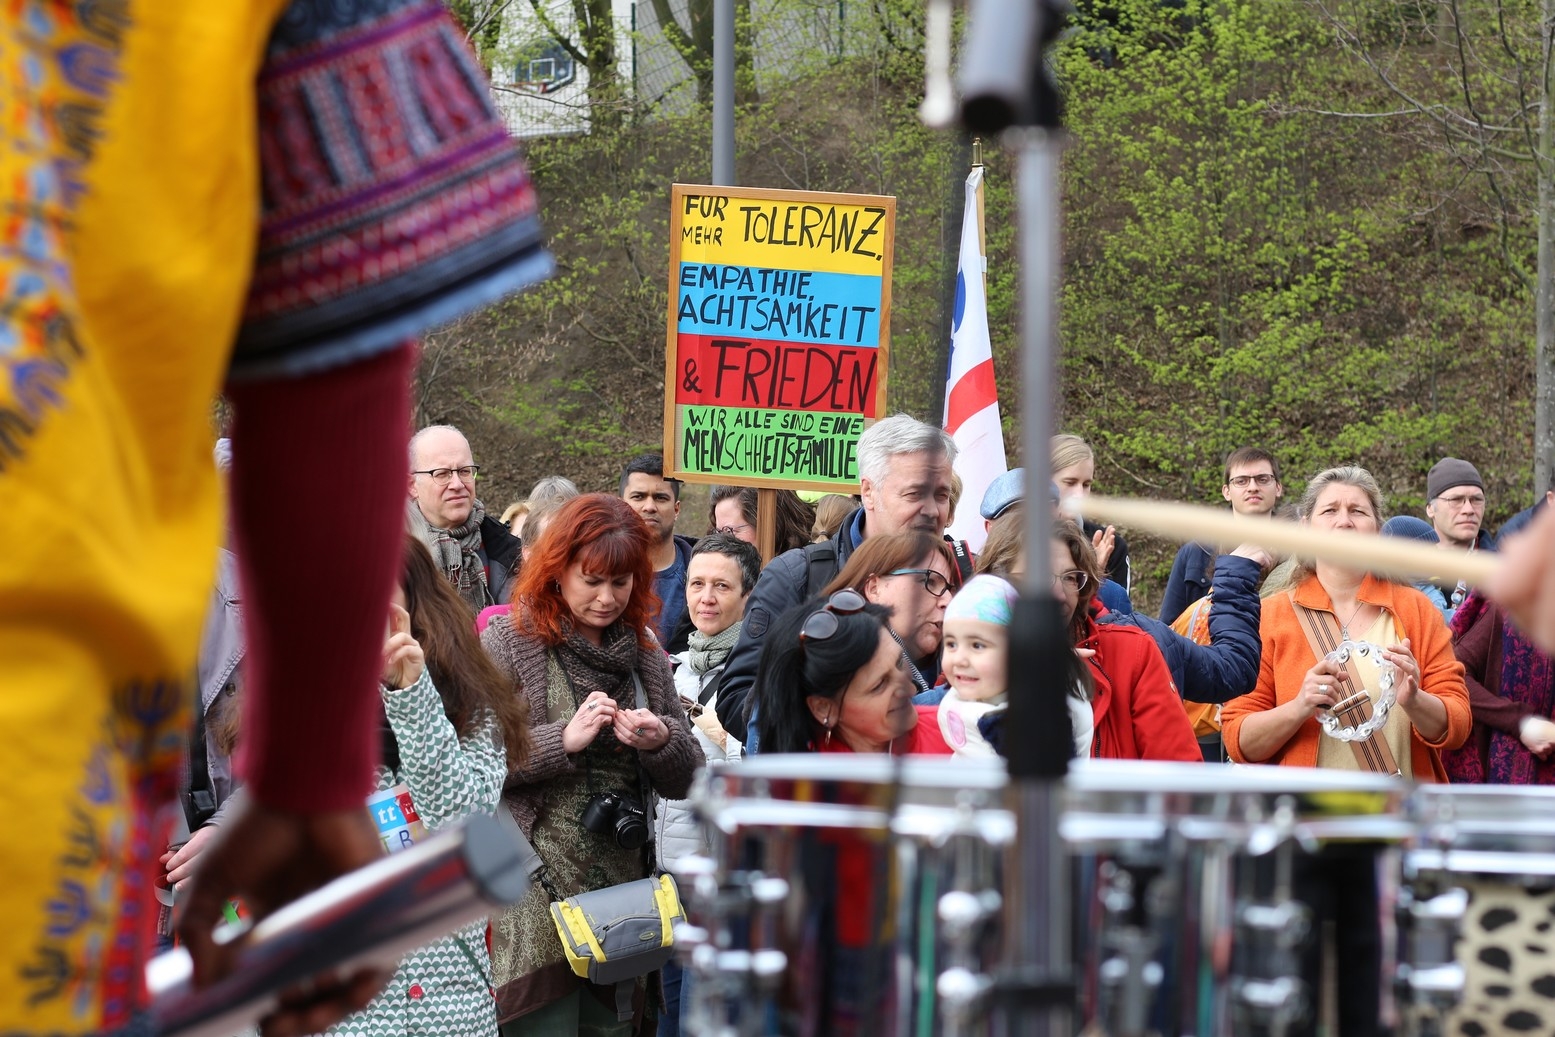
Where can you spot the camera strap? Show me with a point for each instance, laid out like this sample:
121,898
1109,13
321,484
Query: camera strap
650,800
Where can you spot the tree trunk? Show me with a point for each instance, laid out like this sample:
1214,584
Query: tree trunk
597,40
1544,327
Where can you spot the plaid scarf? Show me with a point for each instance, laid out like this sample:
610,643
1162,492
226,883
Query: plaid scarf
457,552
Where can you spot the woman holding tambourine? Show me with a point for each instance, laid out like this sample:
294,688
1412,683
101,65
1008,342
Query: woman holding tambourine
1347,653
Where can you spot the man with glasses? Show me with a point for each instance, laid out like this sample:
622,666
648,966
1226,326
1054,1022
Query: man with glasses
1455,506
477,553
1252,488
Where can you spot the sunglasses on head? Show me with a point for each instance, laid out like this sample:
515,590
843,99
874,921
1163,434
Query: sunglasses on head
823,623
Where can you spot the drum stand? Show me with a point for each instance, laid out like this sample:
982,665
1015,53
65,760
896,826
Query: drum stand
1007,88
1268,997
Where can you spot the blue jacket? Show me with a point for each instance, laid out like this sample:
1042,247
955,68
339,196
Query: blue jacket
1228,665
1519,520
1189,581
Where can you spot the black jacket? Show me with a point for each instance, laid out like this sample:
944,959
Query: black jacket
503,552
790,579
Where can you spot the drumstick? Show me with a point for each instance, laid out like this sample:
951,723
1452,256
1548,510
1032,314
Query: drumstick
1389,556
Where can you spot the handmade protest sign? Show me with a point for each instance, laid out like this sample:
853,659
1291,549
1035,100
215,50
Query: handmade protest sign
778,334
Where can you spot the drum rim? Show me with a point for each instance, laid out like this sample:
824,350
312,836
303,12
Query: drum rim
1085,776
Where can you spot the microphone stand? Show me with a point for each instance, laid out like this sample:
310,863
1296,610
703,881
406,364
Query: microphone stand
1007,88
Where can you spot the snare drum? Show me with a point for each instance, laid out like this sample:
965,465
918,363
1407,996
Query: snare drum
858,894
1186,876
841,888
1477,912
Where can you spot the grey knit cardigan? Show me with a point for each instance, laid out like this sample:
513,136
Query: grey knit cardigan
523,658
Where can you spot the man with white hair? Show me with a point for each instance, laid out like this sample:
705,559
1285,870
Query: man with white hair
904,480
477,554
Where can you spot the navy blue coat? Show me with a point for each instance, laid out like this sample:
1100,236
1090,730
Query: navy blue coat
1228,665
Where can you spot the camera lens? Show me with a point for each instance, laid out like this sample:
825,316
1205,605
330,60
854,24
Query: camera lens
631,829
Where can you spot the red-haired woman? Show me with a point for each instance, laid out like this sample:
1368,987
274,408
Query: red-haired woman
579,631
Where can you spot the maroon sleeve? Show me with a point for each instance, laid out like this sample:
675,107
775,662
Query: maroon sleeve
318,500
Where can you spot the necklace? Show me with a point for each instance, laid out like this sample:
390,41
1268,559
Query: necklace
1344,628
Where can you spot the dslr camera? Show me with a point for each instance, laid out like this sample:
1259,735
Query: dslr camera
616,813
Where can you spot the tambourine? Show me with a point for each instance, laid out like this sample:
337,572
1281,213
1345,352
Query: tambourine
1368,668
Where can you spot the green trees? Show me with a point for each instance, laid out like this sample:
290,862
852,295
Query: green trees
1244,268
1248,260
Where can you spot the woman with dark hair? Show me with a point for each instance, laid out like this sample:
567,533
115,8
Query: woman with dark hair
447,715
832,678
579,643
911,575
1136,711
732,510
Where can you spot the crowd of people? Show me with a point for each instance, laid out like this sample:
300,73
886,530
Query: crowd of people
193,214
581,652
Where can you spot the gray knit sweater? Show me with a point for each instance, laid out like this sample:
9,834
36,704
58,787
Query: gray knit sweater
523,658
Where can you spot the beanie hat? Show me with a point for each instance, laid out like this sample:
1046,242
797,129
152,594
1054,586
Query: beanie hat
985,598
1450,472
1410,527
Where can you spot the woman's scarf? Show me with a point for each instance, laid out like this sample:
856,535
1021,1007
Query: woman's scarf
457,552
706,652
1528,678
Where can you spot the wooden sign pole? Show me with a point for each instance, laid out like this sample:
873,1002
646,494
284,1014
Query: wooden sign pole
766,523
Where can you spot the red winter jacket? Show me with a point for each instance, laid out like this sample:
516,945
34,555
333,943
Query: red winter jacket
1139,712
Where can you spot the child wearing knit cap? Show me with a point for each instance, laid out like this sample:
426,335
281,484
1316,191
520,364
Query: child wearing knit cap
975,654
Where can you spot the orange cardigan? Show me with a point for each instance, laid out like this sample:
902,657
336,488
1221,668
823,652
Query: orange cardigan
1287,657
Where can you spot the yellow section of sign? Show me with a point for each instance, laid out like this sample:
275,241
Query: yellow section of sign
785,234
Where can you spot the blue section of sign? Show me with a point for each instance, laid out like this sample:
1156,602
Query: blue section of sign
778,305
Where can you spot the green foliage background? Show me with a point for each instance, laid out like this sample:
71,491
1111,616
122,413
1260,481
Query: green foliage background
1242,264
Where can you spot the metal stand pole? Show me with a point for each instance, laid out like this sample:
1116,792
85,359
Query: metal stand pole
1037,995
723,93
1007,87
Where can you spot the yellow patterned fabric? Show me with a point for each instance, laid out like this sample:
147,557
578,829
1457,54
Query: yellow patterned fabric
128,179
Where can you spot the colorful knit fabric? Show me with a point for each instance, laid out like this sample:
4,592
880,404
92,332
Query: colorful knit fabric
1525,676
130,198
394,199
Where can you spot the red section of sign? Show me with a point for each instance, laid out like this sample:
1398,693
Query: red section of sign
407,808
729,371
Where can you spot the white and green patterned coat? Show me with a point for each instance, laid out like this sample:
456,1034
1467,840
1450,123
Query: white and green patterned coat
444,988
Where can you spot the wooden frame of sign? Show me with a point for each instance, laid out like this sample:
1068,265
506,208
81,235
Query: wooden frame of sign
777,340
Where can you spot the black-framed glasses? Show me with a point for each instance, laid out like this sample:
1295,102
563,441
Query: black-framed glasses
735,530
443,476
1074,579
934,581
823,623
1242,482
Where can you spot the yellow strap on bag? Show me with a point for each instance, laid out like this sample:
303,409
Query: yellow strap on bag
578,941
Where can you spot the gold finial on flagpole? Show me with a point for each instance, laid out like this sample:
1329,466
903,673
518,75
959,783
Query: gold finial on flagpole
977,152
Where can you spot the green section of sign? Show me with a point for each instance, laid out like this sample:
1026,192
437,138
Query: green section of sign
770,444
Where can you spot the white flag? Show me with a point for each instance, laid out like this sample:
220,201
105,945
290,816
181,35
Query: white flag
971,398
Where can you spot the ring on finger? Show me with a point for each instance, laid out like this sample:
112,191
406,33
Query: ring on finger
1323,688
